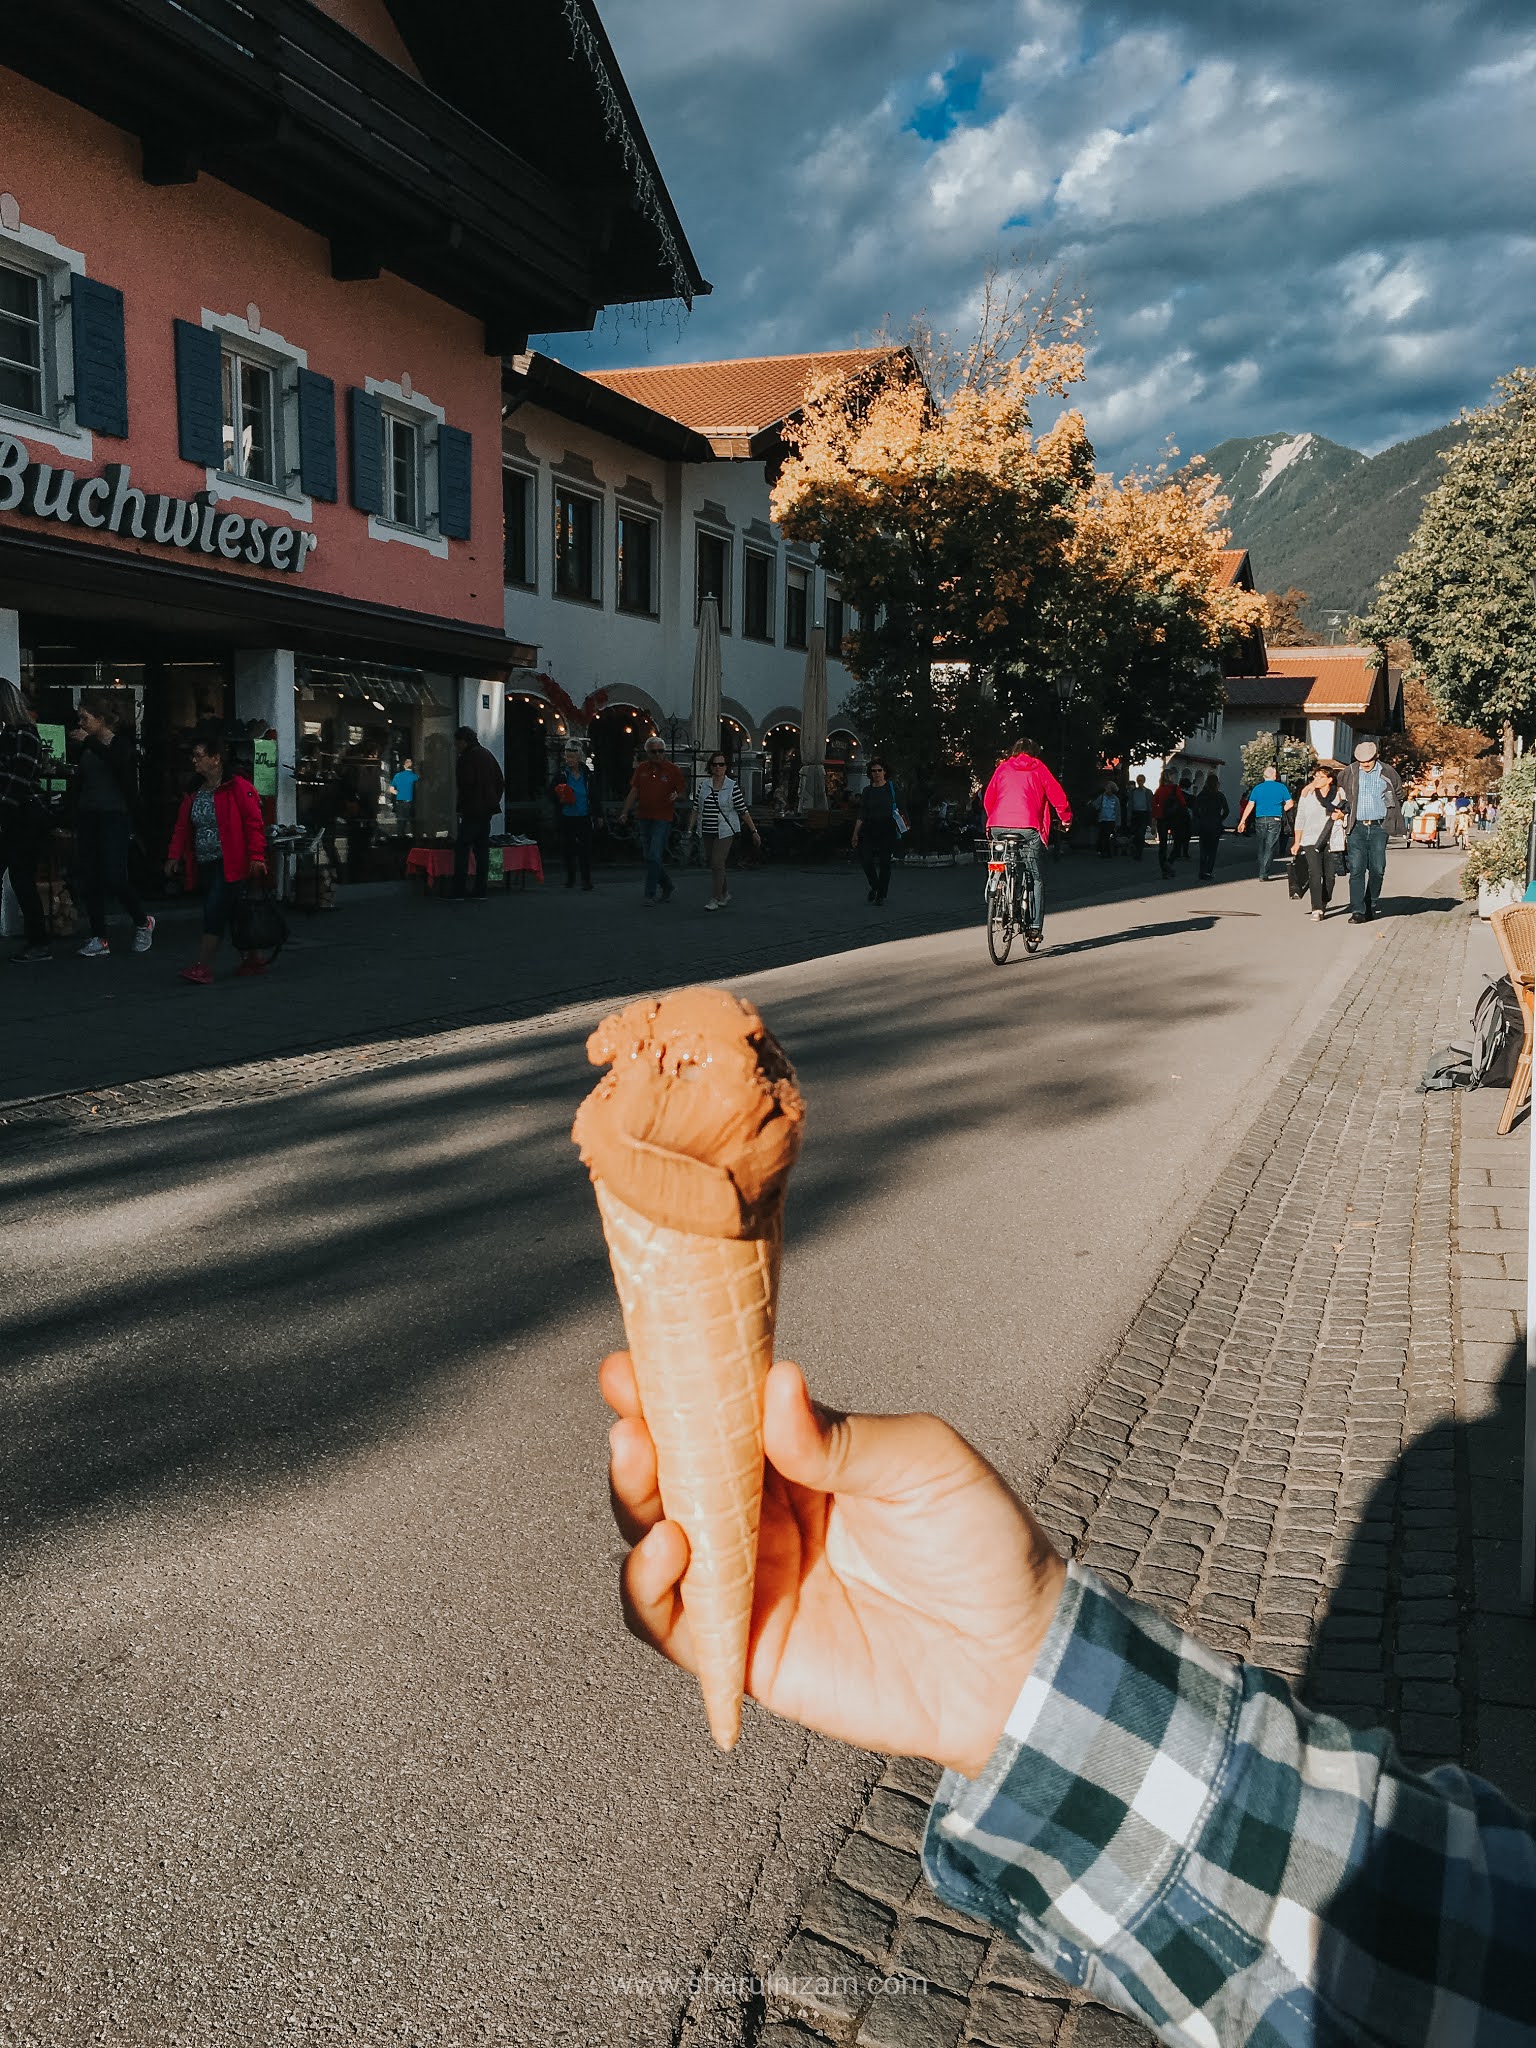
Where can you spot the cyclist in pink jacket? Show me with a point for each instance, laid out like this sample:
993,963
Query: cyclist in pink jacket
1020,798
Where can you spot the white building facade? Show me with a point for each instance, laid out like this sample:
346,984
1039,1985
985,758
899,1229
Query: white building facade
619,519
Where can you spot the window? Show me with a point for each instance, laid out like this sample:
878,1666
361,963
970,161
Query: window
24,319
402,472
834,618
517,488
797,596
575,546
637,563
757,595
713,576
251,430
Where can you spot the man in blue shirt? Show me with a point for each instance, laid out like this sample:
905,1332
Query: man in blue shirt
1372,799
1268,802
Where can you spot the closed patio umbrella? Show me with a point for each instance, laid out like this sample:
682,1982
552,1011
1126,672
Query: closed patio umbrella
706,682
813,725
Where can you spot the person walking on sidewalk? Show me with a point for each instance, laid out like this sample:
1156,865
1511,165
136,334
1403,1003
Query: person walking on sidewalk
1167,804
720,812
654,789
1106,815
106,795
1268,802
1149,1819
573,797
1184,819
1209,815
876,829
23,817
1138,810
1373,810
478,783
1319,835
1019,799
220,845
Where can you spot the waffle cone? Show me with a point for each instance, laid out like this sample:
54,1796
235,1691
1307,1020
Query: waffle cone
698,1312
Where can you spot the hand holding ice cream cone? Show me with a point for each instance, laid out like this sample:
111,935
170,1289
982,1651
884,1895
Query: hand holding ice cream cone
689,1139
902,1591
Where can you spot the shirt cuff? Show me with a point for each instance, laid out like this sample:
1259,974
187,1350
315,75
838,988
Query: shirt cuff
1116,1748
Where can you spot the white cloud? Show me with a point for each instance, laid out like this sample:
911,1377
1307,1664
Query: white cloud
1314,219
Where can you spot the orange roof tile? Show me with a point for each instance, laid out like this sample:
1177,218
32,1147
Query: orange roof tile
733,398
1232,560
1323,680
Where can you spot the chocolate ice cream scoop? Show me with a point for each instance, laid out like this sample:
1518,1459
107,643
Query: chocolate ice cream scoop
699,1121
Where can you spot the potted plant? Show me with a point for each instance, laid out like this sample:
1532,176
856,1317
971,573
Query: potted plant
1494,871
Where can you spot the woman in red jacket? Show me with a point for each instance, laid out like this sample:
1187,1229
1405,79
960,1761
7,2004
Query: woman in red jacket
220,839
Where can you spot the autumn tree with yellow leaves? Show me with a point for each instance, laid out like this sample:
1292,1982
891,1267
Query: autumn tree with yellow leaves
986,561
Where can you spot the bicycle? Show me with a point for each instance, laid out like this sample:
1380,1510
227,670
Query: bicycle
1010,897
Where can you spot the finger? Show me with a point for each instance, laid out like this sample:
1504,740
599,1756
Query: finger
649,1590
617,1384
887,1457
633,1492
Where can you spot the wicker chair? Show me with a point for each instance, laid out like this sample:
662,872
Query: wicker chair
1515,930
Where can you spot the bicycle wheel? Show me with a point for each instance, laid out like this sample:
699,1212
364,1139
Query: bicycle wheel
1000,919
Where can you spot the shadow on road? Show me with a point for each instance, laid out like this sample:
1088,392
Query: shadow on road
247,1291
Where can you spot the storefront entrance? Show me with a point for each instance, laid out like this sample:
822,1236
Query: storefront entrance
359,724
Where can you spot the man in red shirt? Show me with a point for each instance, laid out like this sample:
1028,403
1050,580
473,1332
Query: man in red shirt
1168,811
1020,798
654,789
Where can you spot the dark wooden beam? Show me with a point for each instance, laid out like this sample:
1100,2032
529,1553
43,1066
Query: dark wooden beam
506,335
354,262
170,159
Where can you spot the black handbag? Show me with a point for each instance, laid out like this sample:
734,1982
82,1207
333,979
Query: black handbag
1299,879
258,926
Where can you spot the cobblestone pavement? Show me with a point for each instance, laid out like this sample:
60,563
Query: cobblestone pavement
1274,1460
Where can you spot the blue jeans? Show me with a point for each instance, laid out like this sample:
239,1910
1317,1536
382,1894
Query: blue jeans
654,834
1366,853
1032,857
1266,832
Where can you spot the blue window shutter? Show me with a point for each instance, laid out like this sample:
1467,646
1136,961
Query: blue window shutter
453,469
101,357
365,419
199,396
317,436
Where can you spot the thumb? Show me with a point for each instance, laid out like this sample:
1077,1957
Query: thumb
884,1457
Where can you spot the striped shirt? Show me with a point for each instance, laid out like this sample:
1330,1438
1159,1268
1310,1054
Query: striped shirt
718,814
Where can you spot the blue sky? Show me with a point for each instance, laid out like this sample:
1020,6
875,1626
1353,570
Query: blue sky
1298,215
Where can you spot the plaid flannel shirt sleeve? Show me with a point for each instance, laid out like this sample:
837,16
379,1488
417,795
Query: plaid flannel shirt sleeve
1176,1834
21,764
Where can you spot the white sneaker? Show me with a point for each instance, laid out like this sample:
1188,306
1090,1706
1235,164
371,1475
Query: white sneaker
94,949
712,904
144,936
726,897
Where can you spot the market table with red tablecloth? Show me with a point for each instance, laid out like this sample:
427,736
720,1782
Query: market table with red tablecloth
436,862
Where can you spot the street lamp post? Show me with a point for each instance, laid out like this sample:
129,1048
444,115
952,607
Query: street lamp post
1066,690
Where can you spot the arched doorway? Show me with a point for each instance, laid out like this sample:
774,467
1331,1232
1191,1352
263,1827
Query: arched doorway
614,739
533,731
781,764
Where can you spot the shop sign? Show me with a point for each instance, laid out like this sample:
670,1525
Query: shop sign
264,767
110,503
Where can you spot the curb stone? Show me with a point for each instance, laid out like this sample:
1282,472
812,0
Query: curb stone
1264,1461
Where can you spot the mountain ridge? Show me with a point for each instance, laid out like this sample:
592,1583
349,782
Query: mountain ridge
1324,518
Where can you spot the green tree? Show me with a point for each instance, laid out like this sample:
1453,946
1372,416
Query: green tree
1461,592
1294,758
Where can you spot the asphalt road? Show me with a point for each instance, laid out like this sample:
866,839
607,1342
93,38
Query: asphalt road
318,1722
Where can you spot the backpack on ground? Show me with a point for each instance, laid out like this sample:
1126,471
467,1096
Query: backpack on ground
1473,1064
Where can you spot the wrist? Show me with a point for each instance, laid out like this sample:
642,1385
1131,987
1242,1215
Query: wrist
1012,1666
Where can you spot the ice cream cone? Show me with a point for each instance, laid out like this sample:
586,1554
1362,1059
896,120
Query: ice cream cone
690,1140
698,1313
